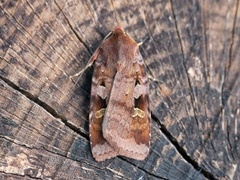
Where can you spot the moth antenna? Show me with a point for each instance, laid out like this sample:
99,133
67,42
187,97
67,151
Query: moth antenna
89,64
79,74
107,36
115,13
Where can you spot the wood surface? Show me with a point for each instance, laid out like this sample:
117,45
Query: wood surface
191,47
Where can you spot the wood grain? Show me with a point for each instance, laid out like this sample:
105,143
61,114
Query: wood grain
190,47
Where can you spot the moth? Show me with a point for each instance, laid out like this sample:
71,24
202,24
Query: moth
119,119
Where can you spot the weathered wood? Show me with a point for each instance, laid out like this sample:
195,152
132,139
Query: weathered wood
191,47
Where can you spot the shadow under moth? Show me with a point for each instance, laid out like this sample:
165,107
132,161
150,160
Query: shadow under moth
119,119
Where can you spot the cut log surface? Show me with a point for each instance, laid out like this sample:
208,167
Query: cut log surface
192,48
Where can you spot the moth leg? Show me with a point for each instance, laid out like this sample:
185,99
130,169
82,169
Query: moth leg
153,79
143,41
140,43
139,90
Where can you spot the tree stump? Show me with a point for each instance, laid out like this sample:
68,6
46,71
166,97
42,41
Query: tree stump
190,47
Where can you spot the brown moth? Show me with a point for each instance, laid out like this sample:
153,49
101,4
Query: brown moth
119,119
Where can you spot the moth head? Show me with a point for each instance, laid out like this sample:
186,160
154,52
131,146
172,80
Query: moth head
118,30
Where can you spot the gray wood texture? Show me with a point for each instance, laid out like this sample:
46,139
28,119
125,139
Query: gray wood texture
190,47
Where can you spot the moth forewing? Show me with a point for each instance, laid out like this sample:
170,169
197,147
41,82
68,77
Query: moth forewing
119,121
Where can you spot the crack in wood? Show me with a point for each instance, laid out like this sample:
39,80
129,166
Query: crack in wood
74,31
45,106
181,150
142,169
